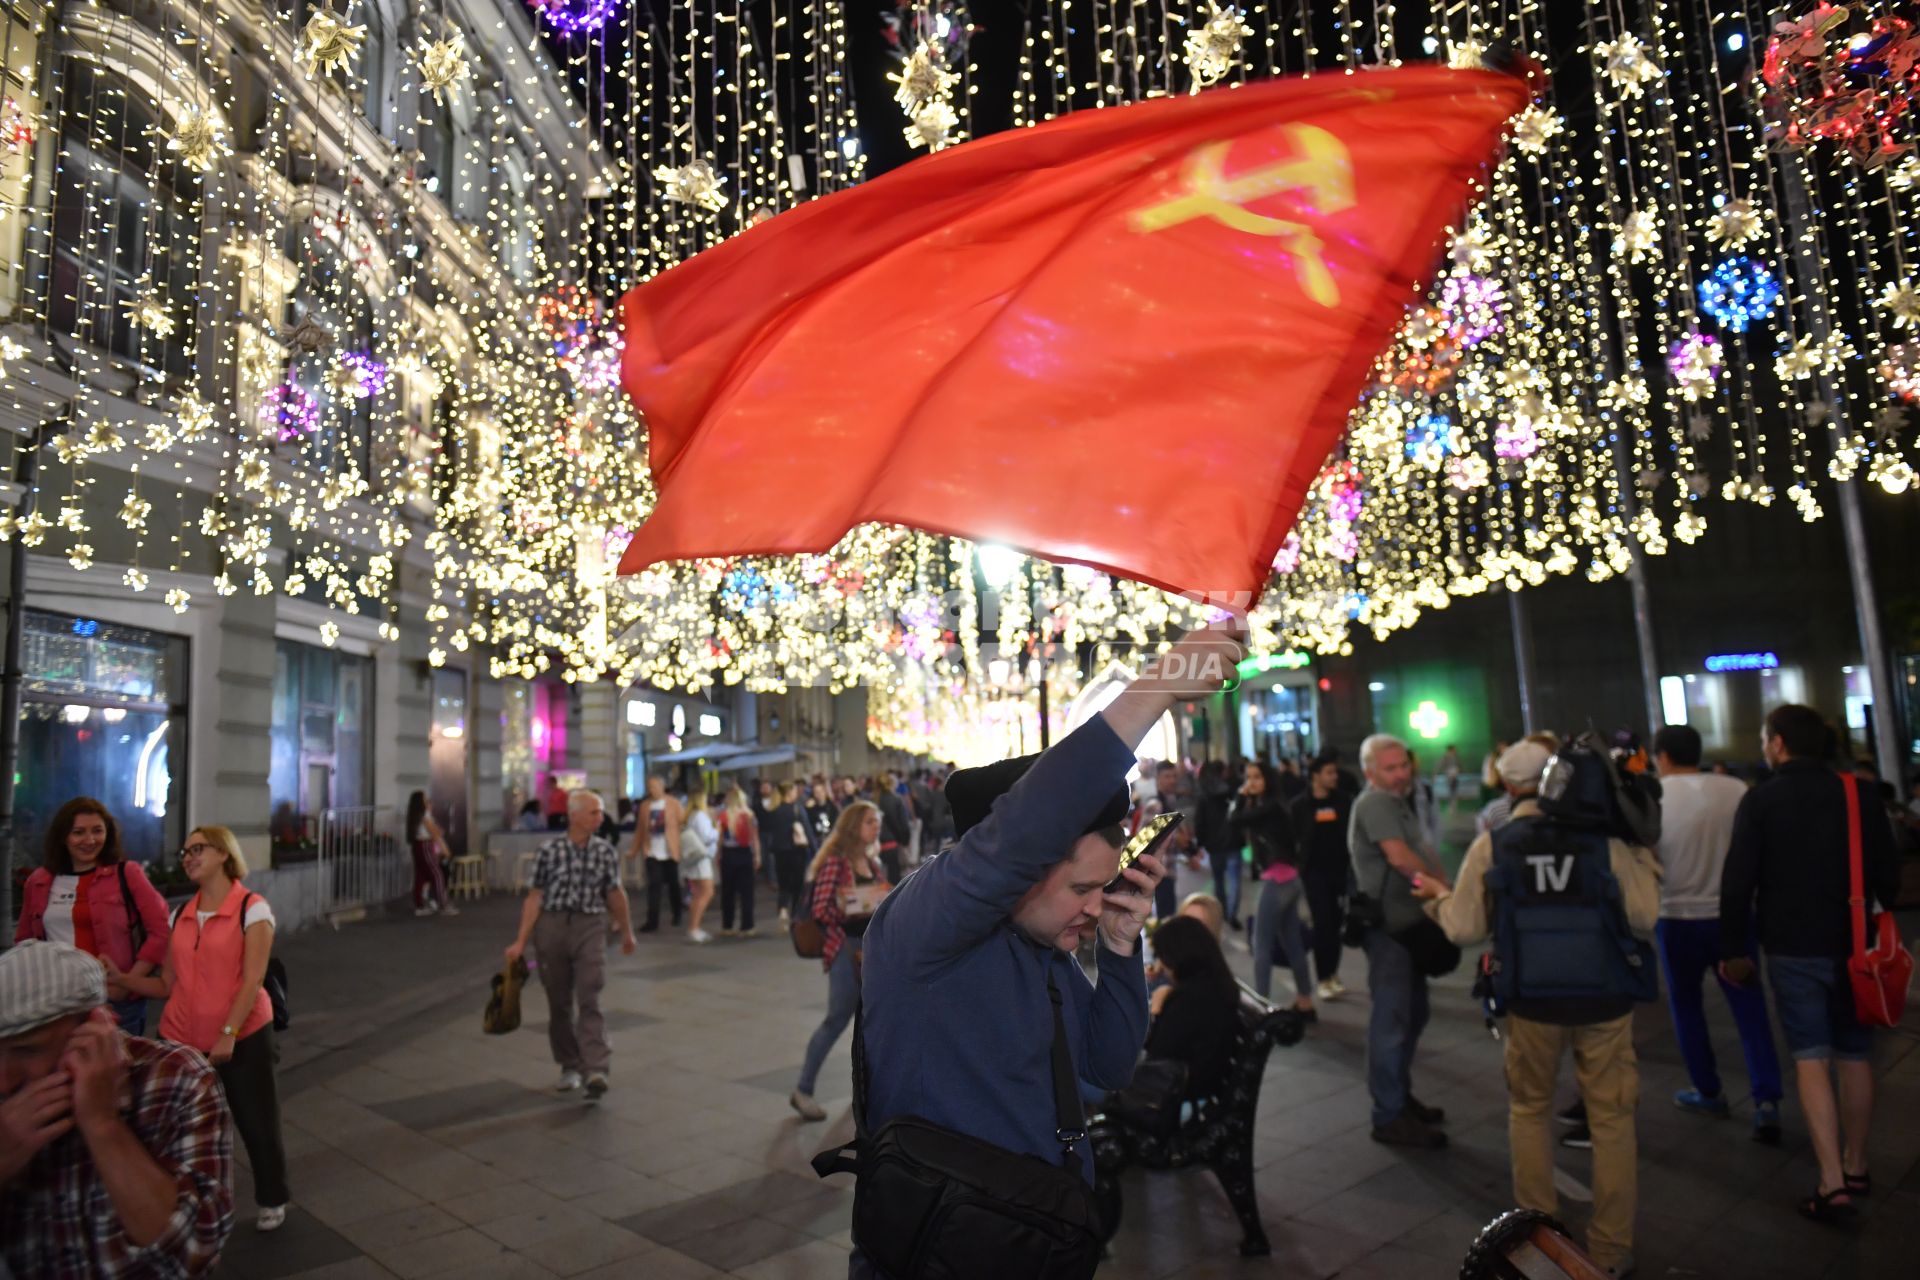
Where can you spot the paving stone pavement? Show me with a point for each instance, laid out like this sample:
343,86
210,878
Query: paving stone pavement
421,1147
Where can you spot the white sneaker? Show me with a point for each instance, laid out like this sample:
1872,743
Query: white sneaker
1331,989
699,937
449,910
269,1219
569,1081
809,1109
425,911
785,917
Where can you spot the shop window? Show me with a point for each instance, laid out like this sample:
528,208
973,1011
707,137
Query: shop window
103,714
125,224
322,757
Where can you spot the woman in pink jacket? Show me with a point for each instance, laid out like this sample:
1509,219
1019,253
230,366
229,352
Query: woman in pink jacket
85,893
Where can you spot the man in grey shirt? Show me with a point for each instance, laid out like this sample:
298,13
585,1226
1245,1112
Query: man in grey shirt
1388,851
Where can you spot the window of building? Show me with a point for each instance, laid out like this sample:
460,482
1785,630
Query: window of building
103,714
322,734
126,221
328,292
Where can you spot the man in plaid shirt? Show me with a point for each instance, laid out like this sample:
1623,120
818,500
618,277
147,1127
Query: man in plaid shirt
85,1108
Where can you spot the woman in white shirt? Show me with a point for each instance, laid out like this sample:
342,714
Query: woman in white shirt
699,848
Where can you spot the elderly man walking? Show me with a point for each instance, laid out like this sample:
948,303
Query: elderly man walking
115,1159
1388,851
574,887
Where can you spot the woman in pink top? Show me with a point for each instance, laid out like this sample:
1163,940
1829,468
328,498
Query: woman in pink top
1259,819
86,893
217,1003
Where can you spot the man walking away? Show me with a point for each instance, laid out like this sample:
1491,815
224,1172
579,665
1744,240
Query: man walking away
1791,854
115,1156
1320,818
1568,907
1384,842
1696,829
896,829
575,886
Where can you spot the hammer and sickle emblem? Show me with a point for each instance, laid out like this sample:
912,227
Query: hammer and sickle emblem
1320,170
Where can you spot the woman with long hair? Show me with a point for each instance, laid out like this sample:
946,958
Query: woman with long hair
844,863
430,856
699,842
1196,1015
1259,818
213,983
85,893
739,859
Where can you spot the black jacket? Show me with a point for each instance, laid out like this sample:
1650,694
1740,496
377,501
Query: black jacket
895,827
1789,851
777,832
1197,1026
1210,826
1325,843
1261,821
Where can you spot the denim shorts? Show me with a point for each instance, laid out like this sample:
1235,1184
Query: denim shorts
1814,998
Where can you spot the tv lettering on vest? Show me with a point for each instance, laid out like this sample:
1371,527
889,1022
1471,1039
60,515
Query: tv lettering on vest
976,1022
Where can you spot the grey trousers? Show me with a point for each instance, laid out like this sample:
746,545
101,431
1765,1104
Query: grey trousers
572,950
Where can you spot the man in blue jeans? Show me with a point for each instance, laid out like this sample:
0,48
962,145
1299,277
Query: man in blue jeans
1384,841
1696,830
1791,854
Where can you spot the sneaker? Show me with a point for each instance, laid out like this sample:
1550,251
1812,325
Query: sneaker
569,1080
1578,1138
425,911
729,933
1575,1114
1766,1123
749,933
699,937
1405,1130
1423,1113
596,1086
449,910
809,1109
1700,1104
786,917
270,1218
1331,989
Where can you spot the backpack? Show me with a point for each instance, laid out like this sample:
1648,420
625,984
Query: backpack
1559,922
275,982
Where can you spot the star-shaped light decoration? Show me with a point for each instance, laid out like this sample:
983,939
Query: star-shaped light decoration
1813,355
81,557
1888,420
259,360
443,65
177,599
33,530
148,310
694,183
1905,175
1421,327
1901,301
72,519
327,43
134,511
1468,55
104,437
252,473
1468,472
195,417
932,126
134,579
1699,484
1639,235
1625,64
923,77
199,139
1534,129
70,447
1214,46
1734,224
1472,249
9,350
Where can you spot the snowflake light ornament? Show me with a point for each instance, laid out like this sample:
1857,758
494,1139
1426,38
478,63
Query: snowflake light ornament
148,310
327,43
1534,130
443,65
1901,301
9,350
694,183
1696,361
1639,236
199,139
1734,224
932,126
923,77
1214,46
1625,64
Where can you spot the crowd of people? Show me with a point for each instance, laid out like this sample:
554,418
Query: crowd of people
1594,864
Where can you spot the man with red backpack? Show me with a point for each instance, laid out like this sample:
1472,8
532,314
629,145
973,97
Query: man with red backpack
1793,851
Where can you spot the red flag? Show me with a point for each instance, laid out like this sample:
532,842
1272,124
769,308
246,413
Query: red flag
1126,338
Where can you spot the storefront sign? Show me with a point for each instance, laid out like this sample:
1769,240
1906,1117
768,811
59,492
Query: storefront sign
1428,720
1743,661
1292,660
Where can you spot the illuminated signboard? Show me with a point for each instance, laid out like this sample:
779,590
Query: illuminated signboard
1743,661
1292,660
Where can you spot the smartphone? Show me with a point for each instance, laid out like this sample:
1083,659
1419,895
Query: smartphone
1152,834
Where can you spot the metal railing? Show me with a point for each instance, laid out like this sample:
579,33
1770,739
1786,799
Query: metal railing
361,863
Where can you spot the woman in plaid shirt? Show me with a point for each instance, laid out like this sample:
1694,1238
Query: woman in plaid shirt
844,862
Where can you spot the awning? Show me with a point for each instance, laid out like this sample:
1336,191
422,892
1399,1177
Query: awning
778,755
712,751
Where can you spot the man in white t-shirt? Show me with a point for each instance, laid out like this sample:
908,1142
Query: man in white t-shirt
1696,830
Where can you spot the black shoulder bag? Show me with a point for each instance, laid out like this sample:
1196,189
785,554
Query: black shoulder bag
933,1204
136,927
1434,954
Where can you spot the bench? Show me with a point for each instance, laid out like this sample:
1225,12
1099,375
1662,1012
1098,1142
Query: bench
1219,1134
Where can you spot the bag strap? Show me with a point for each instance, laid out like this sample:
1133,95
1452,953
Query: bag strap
136,927
1857,893
1069,1118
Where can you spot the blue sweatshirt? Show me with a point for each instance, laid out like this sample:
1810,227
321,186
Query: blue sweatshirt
956,1022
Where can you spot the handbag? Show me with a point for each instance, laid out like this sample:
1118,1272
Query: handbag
1882,974
136,927
1152,1099
502,1013
933,1204
1434,955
